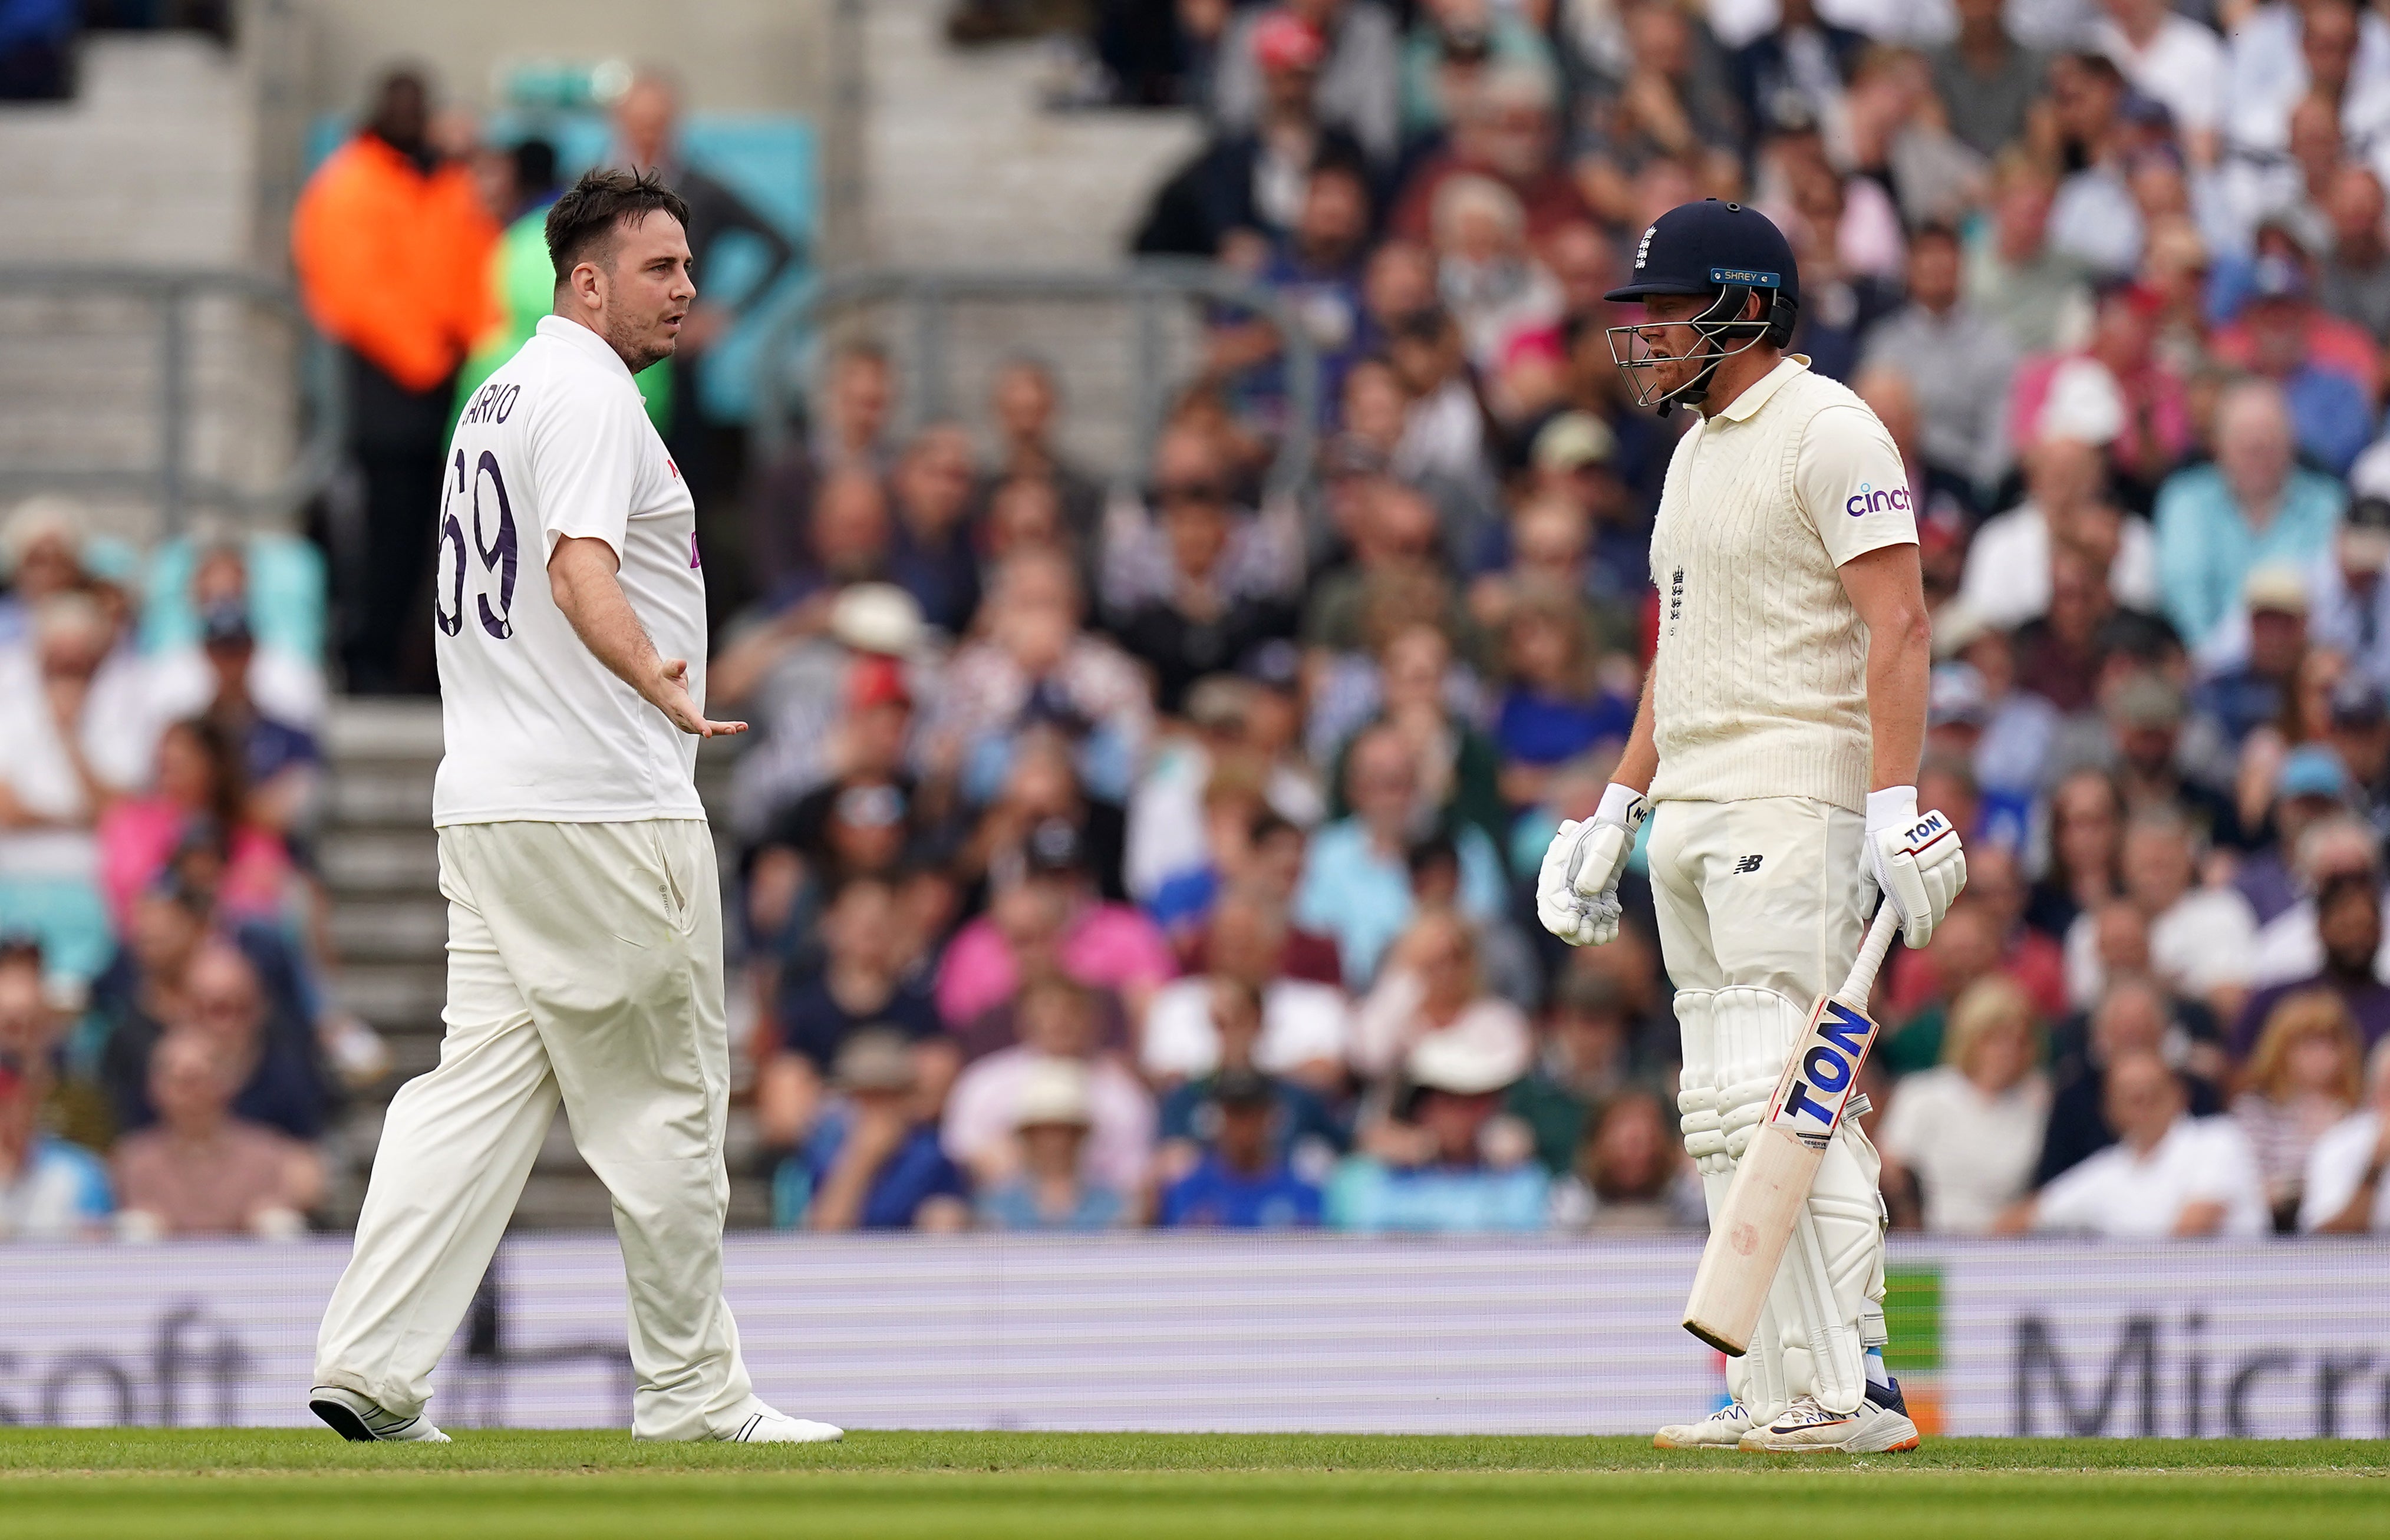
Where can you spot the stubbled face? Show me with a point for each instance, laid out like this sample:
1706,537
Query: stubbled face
644,288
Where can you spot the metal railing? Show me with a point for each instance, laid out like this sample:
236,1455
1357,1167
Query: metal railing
169,477
1146,287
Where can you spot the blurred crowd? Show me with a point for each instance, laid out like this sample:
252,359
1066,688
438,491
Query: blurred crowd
1155,851
172,1056
1183,828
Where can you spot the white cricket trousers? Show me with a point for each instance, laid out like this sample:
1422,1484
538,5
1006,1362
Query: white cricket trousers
1761,905
585,966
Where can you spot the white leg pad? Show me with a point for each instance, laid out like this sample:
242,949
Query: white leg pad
1752,1032
1828,1296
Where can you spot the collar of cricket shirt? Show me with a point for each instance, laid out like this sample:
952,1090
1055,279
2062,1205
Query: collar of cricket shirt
1747,405
573,334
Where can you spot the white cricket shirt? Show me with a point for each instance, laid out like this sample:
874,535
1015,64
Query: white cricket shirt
558,443
1759,682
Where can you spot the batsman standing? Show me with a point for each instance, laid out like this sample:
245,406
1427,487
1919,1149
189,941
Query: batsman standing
585,915
1777,739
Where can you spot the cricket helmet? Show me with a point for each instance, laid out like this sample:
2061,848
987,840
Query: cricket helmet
1729,251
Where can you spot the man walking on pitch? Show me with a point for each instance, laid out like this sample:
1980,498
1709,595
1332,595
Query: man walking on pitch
585,925
1779,734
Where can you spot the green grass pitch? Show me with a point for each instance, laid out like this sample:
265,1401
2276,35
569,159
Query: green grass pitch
260,1485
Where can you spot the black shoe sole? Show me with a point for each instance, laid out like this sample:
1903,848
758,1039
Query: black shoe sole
344,1421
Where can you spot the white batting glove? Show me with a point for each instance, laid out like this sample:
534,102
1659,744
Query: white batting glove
1915,859
1576,894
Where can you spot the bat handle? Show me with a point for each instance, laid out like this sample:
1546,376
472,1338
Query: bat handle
1872,951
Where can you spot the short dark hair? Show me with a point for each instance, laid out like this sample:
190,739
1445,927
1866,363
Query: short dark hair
584,218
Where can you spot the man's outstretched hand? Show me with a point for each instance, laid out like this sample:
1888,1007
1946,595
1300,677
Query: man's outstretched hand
670,692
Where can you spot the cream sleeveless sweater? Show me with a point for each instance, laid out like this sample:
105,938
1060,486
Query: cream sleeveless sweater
1759,683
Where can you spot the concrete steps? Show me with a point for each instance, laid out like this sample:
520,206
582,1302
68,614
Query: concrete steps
154,163
389,927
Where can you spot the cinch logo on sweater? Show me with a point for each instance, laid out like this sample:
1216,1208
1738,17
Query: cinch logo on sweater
1871,499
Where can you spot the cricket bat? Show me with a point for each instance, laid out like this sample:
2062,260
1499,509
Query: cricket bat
1772,1181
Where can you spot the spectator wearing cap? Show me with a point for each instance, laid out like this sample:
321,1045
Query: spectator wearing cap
1242,1180
1957,361
1055,1180
281,763
2350,609
831,685
2256,505
50,1189
1246,183
2343,1191
2255,656
1960,1139
239,641
1034,668
2171,59
1048,914
2168,1174
2310,788
71,721
1451,1163
872,1161
2009,562
2328,369
859,985
2360,734
2158,758
1354,53
1986,80
205,1170
392,243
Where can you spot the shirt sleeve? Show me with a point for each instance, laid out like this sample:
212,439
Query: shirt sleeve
2335,1170
1850,480
585,449
2072,1201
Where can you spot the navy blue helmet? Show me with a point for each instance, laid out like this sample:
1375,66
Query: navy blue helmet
1729,252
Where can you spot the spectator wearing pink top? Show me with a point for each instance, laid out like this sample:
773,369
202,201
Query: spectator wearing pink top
1050,917
199,800
2157,431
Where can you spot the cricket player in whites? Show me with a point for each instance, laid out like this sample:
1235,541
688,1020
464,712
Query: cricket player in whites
1777,746
585,916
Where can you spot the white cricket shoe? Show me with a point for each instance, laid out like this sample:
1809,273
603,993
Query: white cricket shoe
770,1427
1721,1430
360,1419
1881,1426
